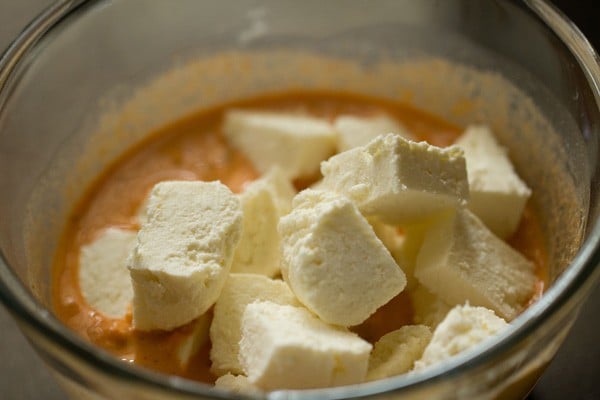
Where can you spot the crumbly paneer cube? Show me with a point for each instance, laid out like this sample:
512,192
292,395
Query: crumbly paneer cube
397,180
174,175
237,384
461,260
354,131
463,328
286,347
396,352
225,331
428,309
103,275
183,252
263,201
295,143
498,195
333,261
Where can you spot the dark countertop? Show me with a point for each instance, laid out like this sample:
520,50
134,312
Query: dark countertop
574,374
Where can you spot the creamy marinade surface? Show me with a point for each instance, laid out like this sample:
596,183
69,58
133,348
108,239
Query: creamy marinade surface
195,149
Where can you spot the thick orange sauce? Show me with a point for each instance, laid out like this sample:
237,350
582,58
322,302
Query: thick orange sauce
193,148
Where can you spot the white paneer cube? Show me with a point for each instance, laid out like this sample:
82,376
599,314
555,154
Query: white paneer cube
397,180
225,331
428,309
194,340
103,275
396,352
463,328
174,175
498,195
286,347
183,253
461,260
354,131
264,201
295,143
237,384
333,261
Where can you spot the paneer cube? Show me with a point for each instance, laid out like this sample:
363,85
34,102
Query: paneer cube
103,275
396,352
461,260
286,347
354,131
295,143
498,195
463,328
264,201
225,331
183,253
397,180
333,261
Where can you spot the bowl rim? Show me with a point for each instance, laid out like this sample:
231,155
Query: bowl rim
568,290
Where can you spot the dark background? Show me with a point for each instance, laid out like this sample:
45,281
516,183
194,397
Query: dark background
585,14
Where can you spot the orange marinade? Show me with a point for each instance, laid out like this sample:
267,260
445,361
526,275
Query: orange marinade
193,148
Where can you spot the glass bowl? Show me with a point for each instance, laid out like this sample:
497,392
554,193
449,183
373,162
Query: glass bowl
88,79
